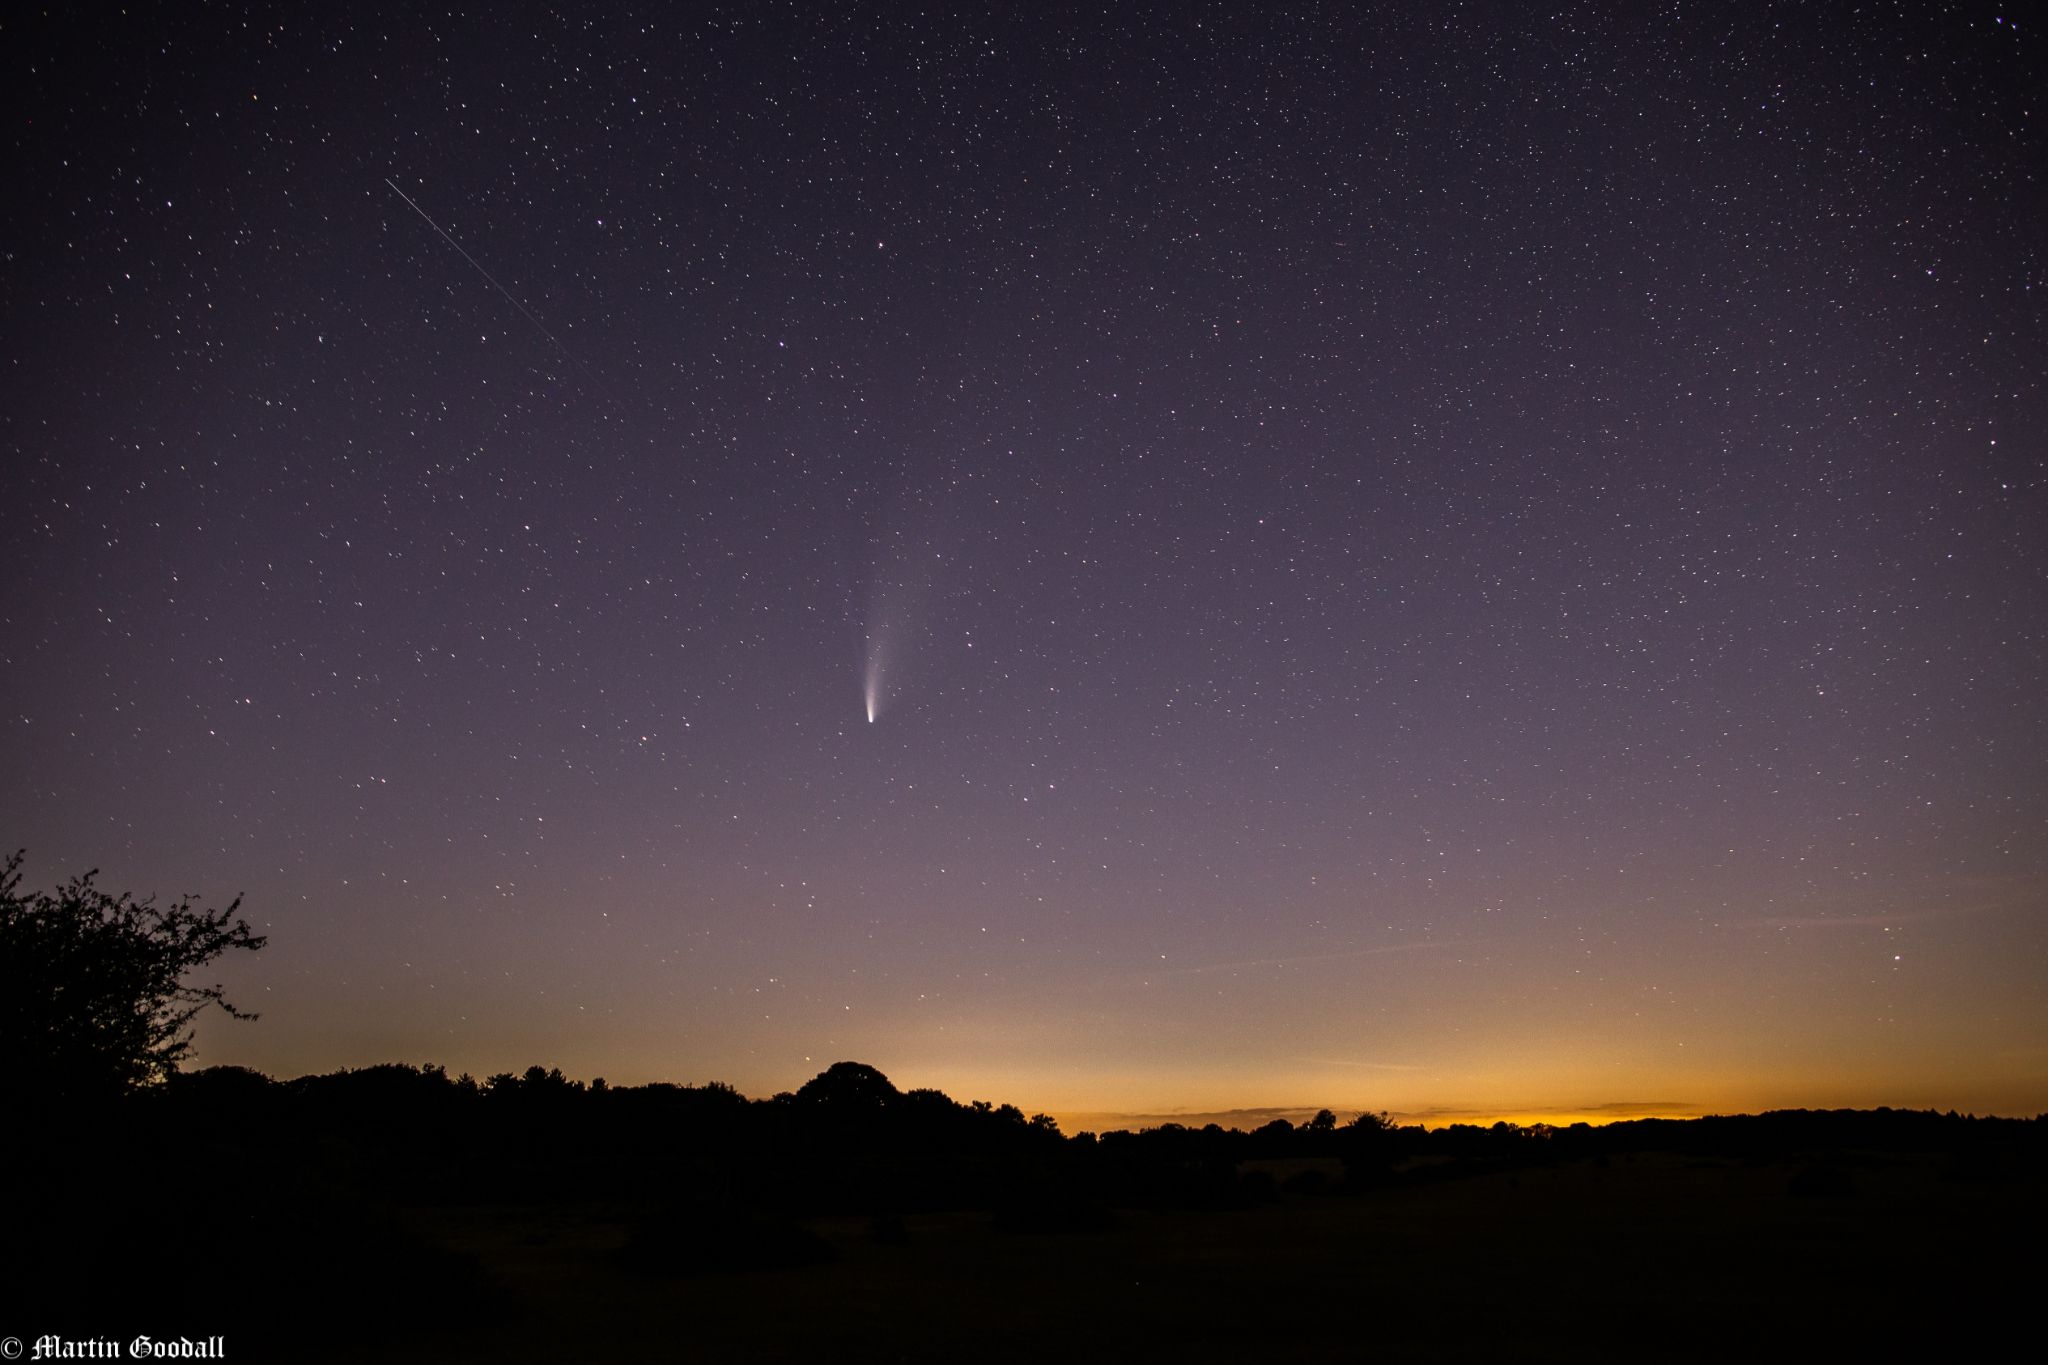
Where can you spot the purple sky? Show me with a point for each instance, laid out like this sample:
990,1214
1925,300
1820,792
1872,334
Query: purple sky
1477,561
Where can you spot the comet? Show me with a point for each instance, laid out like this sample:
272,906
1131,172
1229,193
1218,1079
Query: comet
894,630
871,688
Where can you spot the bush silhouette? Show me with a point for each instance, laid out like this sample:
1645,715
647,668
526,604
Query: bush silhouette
93,998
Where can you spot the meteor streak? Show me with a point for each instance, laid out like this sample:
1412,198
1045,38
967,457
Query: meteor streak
525,312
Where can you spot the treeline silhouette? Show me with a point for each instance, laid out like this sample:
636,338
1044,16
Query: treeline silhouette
222,1192
399,1212
848,1141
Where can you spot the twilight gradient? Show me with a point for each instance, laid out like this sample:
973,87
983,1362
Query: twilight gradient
1188,559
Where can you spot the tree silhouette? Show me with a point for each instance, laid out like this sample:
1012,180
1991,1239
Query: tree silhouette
93,998
850,1088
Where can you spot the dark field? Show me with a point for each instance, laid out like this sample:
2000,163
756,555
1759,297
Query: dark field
1656,1255
394,1214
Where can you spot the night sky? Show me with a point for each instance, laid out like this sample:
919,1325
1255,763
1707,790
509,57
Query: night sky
1465,560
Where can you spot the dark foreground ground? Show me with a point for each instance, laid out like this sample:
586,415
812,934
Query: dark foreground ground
394,1216
1653,1255
1650,1256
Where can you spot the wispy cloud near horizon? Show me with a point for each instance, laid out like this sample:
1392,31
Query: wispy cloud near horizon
1340,955
1246,1119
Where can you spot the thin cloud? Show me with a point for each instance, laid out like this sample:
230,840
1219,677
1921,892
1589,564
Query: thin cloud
1343,955
1246,1120
1101,1121
1606,1111
1866,921
2024,892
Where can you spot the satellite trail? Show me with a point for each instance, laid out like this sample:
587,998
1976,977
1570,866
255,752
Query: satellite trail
524,310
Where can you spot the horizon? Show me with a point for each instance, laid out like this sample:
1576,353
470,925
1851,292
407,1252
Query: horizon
1073,1121
1164,560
